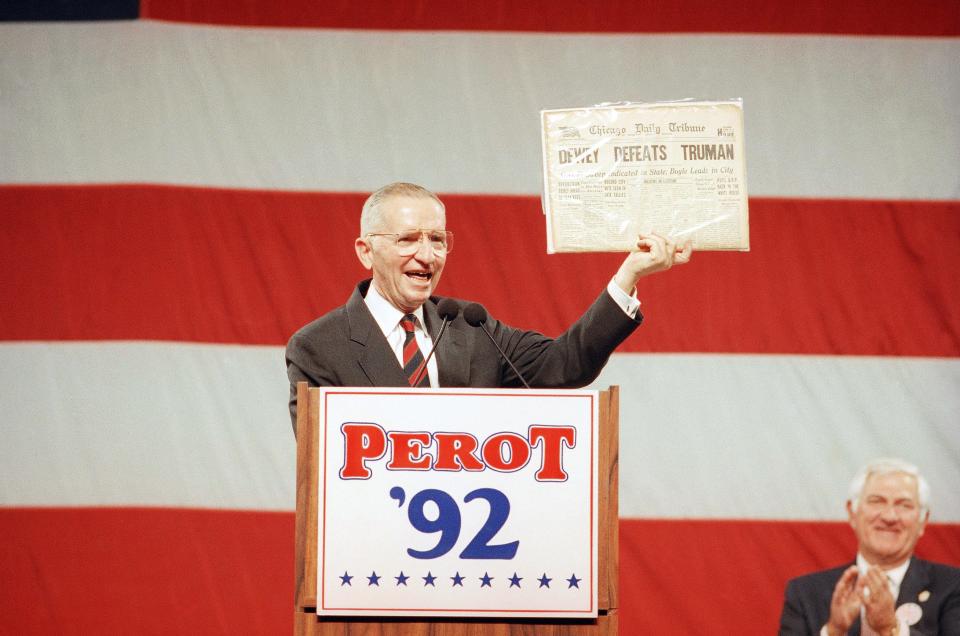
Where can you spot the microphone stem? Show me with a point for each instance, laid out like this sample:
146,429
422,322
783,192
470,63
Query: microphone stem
505,357
423,369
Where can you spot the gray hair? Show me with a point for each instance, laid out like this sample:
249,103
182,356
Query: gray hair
886,466
371,219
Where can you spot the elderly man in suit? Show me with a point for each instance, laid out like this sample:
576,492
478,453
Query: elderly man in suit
887,591
381,336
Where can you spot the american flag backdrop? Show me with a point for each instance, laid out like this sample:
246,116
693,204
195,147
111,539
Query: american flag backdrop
180,186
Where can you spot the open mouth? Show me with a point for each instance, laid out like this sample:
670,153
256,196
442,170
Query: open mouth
420,275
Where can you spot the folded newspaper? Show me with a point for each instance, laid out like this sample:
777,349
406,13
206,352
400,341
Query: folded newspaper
613,171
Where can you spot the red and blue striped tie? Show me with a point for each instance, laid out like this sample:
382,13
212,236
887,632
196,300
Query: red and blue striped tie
412,356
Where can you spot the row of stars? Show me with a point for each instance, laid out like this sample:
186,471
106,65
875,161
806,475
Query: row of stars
457,580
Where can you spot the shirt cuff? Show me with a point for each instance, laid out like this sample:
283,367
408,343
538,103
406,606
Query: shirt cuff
627,302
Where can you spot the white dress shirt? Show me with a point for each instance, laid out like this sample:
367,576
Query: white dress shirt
388,319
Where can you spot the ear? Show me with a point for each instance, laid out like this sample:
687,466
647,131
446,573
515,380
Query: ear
923,522
364,252
850,512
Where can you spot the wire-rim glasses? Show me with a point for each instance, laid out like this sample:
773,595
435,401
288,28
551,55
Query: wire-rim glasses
408,242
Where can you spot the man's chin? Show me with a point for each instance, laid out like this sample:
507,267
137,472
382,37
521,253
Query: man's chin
416,298
887,550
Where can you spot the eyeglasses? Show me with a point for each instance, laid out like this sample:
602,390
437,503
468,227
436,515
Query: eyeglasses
408,242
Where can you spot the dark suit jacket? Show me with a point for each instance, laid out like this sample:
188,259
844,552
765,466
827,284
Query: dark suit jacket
806,607
346,348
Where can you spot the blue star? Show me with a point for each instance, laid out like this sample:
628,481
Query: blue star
573,581
374,579
401,580
515,580
345,579
485,580
457,579
544,581
429,579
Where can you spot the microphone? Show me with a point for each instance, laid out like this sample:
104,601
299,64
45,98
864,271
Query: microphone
476,316
448,310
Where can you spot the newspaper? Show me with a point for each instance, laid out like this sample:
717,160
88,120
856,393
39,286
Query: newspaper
615,170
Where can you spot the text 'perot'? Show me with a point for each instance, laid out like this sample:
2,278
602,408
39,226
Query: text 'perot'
446,451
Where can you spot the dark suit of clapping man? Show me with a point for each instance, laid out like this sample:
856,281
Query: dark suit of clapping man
404,242
887,591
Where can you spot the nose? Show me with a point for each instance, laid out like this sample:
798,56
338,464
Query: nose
425,252
889,514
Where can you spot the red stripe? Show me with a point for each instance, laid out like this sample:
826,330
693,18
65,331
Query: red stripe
409,351
863,17
415,379
728,577
137,571
165,571
240,266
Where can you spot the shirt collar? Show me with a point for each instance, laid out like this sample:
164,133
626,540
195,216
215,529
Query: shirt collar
386,315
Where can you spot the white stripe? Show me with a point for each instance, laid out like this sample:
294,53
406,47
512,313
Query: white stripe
775,436
351,110
762,437
145,424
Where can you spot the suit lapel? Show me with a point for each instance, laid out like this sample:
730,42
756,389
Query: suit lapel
376,359
915,580
453,364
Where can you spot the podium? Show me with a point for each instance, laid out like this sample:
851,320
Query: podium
308,622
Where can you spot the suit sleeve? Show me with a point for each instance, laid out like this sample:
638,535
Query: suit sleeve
304,365
793,621
576,357
949,616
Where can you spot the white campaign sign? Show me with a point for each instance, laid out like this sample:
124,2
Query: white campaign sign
457,502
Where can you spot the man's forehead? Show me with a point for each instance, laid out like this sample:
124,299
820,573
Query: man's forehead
402,205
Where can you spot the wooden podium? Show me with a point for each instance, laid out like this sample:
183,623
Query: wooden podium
307,622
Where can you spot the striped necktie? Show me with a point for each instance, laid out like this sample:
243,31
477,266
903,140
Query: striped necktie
412,356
